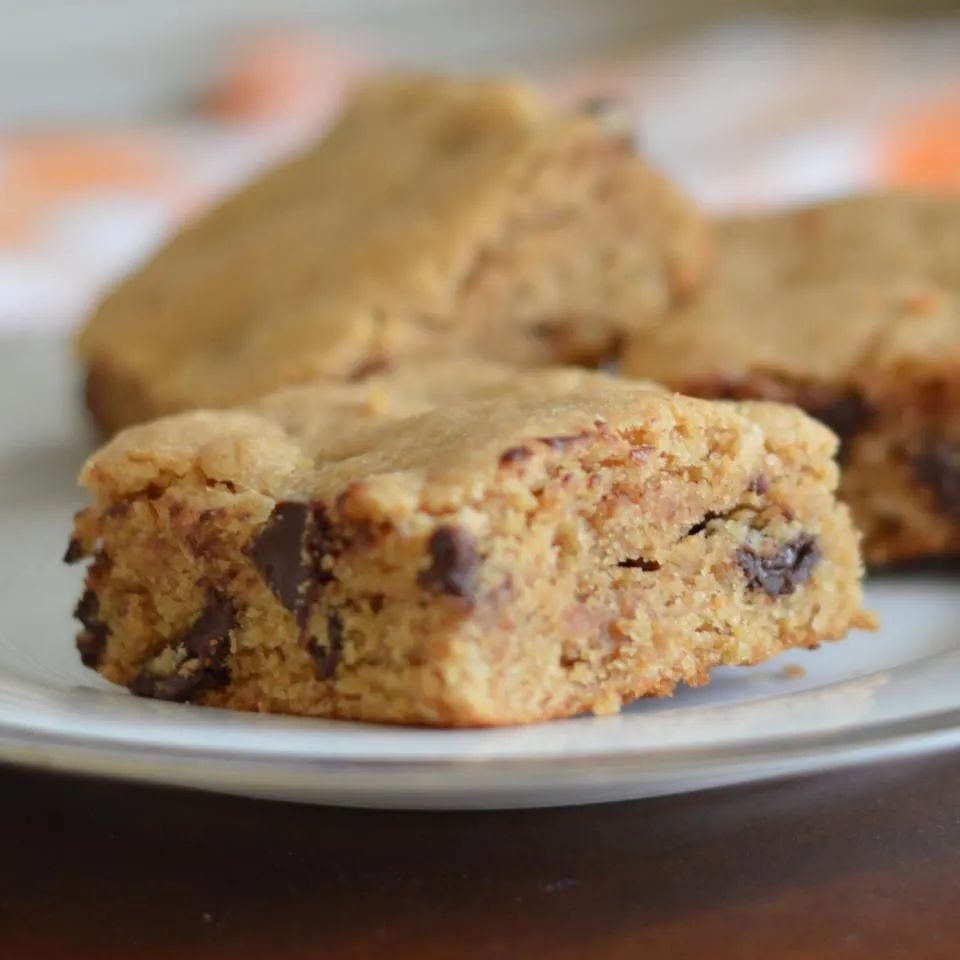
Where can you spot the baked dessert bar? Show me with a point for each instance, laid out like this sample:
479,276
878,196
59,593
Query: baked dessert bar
439,217
460,544
850,309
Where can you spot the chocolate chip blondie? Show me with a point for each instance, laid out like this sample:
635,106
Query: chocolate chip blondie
439,217
460,544
850,309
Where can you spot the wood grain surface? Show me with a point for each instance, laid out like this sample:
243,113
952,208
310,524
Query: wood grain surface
862,863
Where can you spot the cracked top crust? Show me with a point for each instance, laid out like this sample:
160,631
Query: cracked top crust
439,433
438,216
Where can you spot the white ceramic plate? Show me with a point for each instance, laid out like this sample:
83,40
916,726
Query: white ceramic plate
872,696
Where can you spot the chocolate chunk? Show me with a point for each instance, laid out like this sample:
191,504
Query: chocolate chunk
454,562
92,641
515,455
201,662
207,638
639,563
279,553
177,688
702,525
75,552
781,572
289,553
937,466
326,656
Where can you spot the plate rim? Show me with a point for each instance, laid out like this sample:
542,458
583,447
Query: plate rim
938,724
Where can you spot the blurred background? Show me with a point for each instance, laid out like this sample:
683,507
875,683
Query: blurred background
121,118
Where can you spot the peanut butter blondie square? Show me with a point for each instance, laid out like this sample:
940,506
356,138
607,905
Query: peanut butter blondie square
850,309
439,217
460,545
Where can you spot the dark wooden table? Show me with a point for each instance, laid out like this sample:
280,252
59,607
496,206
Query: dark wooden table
863,863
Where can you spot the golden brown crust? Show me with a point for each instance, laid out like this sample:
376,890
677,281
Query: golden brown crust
438,217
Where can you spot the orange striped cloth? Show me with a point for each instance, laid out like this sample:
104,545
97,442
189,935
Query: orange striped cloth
752,114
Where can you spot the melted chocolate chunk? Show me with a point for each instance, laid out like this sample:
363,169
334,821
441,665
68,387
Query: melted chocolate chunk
289,554
202,657
937,467
206,639
178,688
326,656
279,553
454,562
781,572
638,563
74,552
93,639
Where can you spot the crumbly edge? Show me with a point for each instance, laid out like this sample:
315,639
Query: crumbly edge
899,451
575,599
